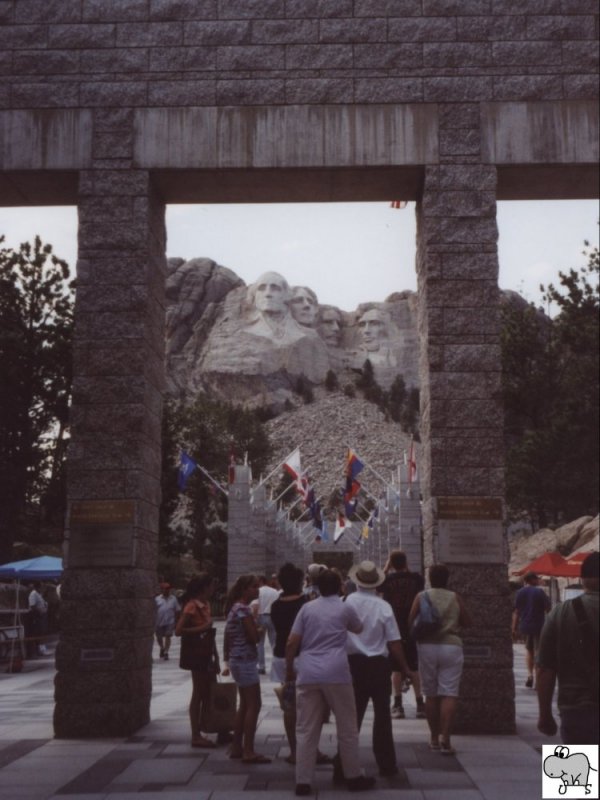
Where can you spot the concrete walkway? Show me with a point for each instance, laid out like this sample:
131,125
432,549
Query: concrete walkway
158,763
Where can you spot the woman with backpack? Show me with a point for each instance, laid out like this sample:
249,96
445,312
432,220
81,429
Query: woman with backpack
441,656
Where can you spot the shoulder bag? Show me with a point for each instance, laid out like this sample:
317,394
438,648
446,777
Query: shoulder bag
427,621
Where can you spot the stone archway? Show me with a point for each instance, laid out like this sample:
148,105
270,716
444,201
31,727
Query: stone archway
144,104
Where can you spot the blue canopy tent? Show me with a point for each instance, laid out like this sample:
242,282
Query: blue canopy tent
42,568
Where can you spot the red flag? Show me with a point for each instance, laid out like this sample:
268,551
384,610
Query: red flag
340,528
398,204
292,464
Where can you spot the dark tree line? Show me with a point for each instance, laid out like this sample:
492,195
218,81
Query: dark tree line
36,323
550,387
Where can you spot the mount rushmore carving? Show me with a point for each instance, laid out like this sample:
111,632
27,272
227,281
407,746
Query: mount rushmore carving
252,343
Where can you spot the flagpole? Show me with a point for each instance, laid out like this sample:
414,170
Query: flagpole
287,488
278,467
318,500
212,480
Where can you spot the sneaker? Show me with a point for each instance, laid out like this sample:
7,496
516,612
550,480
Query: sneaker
166,656
420,711
162,653
387,772
302,789
398,712
263,671
529,682
360,784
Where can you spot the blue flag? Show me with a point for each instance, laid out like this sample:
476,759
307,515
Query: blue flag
186,466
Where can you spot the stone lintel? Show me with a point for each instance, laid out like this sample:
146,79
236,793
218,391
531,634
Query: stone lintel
557,132
259,137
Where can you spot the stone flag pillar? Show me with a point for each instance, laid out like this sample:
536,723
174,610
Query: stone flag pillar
461,411
104,656
239,541
410,520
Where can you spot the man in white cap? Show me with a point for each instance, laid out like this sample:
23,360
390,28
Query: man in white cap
368,655
311,590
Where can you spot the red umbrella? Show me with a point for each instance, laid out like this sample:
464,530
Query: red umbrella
577,559
552,565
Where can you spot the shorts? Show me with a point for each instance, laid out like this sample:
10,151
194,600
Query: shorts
532,642
440,669
165,630
244,673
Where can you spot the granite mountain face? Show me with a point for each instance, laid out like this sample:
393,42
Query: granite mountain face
251,344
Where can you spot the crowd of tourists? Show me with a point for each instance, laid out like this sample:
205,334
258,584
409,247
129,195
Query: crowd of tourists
338,643
341,641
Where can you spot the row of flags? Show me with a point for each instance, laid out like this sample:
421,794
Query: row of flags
349,492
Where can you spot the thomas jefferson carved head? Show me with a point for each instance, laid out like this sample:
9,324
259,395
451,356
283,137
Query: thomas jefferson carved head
304,306
330,326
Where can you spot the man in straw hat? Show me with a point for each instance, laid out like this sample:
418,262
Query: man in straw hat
368,655
568,652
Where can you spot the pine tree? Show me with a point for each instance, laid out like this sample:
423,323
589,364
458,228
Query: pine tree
36,323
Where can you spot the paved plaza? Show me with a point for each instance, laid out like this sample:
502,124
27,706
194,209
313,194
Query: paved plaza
158,762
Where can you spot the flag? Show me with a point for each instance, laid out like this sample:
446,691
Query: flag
353,465
398,204
412,463
186,466
292,464
340,528
231,468
302,487
350,505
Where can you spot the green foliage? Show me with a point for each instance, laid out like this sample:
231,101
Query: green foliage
304,389
331,381
550,391
36,323
398,403
207,430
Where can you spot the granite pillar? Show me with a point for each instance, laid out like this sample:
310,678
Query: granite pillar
461,412
104,656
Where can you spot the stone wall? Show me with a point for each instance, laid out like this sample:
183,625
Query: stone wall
140,54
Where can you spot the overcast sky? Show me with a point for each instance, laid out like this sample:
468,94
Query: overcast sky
347,252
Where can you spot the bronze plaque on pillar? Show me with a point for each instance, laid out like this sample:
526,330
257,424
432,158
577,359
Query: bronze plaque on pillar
101,534
470,530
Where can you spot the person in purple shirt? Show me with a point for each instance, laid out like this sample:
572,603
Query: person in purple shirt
531,606
323,680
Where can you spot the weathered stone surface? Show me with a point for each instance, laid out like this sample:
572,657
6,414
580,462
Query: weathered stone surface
343,422
580,534
218,339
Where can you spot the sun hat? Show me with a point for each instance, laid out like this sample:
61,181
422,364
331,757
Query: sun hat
367,575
